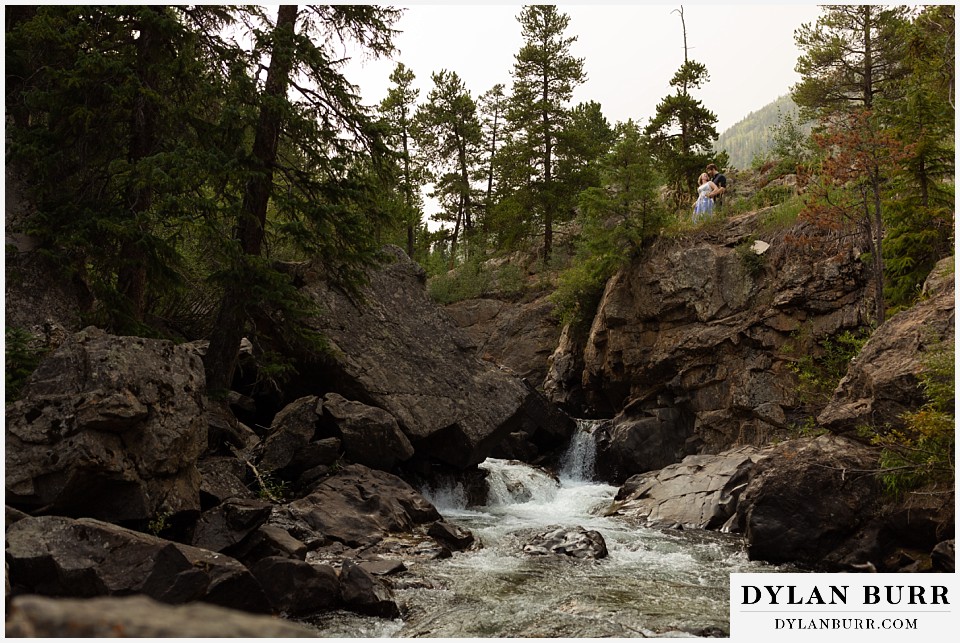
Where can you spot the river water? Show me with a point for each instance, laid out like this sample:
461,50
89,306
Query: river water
655,582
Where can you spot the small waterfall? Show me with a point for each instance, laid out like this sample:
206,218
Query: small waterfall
577,463
510,482
448,496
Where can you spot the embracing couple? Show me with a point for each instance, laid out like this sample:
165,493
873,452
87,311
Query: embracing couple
712,185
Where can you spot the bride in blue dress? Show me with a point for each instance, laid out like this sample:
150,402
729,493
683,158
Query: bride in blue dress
703,208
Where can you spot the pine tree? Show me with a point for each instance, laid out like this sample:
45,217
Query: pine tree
852,57
398,110
581,147
491,109
313,152
448,131
682,131
617,217
545,74
858,156
920,214
101,100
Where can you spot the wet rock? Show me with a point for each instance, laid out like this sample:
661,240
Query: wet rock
370,436
108,427
139,617
226,525
640,440
296,587
398,351
807,499
452,536
576,542
382,567
700,492
363,593
359,506
882,382
85,557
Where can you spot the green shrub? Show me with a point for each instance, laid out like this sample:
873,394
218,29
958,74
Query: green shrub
821,365
752,262
922,452
22,358
467,281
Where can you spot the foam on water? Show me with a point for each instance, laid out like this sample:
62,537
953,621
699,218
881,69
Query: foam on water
652,581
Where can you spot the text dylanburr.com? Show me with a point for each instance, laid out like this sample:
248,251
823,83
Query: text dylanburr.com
844,607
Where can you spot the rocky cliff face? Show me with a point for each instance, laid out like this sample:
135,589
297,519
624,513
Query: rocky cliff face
520,336
882,381
696,337
398,351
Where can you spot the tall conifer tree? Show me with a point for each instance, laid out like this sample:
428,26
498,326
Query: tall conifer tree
545,73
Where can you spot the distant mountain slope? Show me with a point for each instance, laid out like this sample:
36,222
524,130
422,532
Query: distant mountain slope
752,135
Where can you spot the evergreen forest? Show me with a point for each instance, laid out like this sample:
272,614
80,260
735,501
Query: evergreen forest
181,158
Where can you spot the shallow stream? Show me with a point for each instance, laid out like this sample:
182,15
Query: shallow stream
653,583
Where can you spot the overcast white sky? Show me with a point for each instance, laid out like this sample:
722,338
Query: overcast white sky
630,52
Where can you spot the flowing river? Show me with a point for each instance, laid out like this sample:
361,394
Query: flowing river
655,582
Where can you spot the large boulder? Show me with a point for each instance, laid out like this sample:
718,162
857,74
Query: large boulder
882,382
370,436
60,556
108,427
703,324
362,592
701,492
360,506
639,440
808,499
395,349
140,617
519,336
292,429
296,587
230,523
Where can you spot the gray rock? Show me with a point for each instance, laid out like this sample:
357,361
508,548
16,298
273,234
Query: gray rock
382,567
398,351
807,498
882,382
640,440
370,436
945,556
296,587
266,541
222,479
453,536
226,525
109,427
575,542
363,593
86,557
293,428
687,322
359,506
700,492
519,336
139,617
